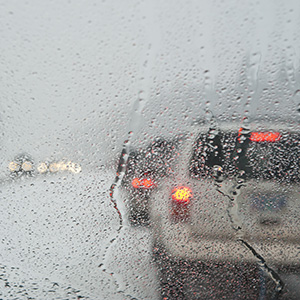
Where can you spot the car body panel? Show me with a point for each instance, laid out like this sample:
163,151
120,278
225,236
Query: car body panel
263,212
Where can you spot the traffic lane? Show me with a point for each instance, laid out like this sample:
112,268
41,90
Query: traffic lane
180,279
61,238
57,233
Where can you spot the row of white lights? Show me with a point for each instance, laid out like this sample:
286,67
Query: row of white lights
43,167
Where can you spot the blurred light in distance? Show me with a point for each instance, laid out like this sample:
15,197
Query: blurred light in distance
27,166
54,167
13,166
75,168
42,167
65,166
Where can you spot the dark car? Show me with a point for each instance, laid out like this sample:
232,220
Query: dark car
145,169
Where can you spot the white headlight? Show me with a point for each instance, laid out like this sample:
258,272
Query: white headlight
13,166
27,166
75,168
54,167
42,168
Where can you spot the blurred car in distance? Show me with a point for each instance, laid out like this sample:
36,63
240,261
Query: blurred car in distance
23,164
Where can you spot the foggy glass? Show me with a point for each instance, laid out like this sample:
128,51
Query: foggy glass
99,96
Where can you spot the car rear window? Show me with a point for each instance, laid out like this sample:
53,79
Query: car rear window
155,160
251,156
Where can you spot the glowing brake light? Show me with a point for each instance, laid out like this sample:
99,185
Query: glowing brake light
259,136
265,137
180,206
182,194
142,183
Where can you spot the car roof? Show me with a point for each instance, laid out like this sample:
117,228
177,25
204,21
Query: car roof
277,124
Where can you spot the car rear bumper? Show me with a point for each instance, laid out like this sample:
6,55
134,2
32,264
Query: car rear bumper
179,243
195,279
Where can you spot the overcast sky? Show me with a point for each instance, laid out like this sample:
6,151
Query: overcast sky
76,76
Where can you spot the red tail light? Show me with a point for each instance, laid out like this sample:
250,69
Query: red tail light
142,183
180,206
182,194
265,137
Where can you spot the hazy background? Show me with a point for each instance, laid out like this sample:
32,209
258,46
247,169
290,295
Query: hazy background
77,76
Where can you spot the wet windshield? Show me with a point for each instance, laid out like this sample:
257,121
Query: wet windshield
102,115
